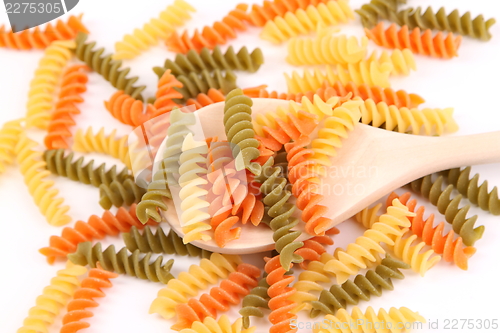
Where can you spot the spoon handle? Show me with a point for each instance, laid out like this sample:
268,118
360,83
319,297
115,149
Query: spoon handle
457,151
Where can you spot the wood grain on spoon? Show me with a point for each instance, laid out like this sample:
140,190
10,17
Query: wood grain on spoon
371,163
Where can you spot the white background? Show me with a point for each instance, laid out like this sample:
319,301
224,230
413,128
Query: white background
468,83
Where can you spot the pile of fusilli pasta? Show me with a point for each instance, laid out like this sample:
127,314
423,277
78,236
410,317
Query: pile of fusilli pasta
267,169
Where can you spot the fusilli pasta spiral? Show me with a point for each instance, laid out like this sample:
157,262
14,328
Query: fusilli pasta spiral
374,282
99,142
239,130
367,72
305,180
228,194
426,121
140,40
107,67
402,61
210,36
275,197
91,288
237,285
64,166
122,262
119,193
223,325
209,271
306,20
335,127
193,193
424,43
316,108
158,242
376,10
32,167
210,60
464,25
367,248
9,136
326,49
129,110
194,84
38,39
470,188
365,322
400,98
46,78
95,228
211,97
314,247
54,297
309,280
158,189
254,301
270,9
73,84
280,293
368,216
405,248
455,215
167,93
451,249
290,128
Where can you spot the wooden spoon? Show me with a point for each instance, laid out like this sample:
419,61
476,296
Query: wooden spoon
372,163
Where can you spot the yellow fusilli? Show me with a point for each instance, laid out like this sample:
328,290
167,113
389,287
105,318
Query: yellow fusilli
99,142
54,297
189,283
33,168
306,20
367,249
370,321
9,136
46,78
402,61
335,128
193,191
369,72
175,15
308,281
427,121
410,253
368,216
327,49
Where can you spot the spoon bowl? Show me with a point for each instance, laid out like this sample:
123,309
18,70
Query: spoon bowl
371,163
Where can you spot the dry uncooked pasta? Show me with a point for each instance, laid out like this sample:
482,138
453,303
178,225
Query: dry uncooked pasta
40,39
41,94
9,136
367,72
464,25
157,28
192,180
33,168
358,321
54,297
123,262
306,20
327,49
424,42
209,271
88,142
367,248
90,289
